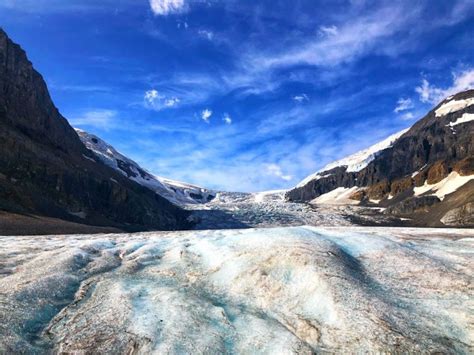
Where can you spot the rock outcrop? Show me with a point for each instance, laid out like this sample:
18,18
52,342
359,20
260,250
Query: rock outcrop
460,216
46,170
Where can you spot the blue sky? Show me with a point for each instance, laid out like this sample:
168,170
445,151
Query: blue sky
245,95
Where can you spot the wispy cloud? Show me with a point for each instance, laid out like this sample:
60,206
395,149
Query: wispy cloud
403,105
301,98
407,116
329,30
351,40
82,88
274,169
99,118
209,35
154,100
433,94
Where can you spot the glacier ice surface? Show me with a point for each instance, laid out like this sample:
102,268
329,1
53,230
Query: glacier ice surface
276,290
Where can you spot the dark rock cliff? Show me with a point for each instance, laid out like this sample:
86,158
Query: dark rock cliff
46,170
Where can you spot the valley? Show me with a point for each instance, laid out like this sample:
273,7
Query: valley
372,252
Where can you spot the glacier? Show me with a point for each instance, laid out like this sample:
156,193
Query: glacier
261,291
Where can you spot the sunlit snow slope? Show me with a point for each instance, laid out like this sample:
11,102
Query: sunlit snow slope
358,160
175,191
274,291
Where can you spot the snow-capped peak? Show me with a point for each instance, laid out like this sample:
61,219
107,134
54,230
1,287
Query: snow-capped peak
175,191
357,161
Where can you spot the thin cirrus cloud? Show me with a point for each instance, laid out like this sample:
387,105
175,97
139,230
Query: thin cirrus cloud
341,44
98,119
403,105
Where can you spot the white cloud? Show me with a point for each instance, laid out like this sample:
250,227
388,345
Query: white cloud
151,96
329,30
206,34
155,101
206,115
171,102
431,94
167,7
428,93
103,119
403,105
407,116
227,119
275,170
300,98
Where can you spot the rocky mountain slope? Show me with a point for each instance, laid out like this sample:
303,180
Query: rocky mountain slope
177,192
425,173
45,169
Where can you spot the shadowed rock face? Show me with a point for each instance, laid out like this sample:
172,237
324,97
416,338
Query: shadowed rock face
46,170
432,148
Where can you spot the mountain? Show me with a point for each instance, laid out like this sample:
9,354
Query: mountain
46,171
177,192
425,173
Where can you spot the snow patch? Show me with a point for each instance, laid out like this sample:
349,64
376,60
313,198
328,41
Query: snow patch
453,106
445,187
315,176
338,196
417,172
467,117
